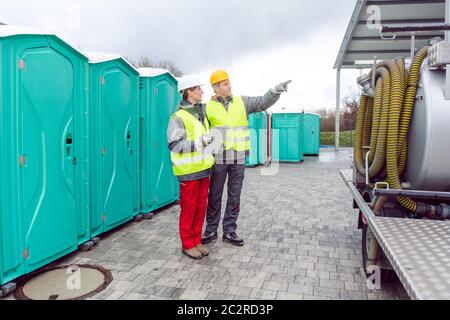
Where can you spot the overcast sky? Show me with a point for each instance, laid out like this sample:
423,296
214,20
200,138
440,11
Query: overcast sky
260,43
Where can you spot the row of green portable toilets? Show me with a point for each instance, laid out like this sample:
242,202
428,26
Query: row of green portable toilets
291,136
295,135
82,147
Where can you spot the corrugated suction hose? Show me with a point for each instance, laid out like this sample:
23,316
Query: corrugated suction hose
383,123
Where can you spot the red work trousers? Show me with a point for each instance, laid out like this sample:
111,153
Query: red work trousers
193,203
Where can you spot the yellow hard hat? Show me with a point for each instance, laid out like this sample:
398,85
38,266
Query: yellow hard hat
219,75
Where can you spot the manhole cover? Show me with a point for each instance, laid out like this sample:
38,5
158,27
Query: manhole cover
73,282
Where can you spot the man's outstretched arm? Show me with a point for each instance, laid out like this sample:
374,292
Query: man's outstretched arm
259,104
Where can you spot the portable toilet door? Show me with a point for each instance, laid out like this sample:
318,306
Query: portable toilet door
43,163
114,142
254,120
159,99
312,134
262,143
287,133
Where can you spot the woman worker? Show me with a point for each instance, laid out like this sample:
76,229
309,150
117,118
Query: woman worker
188,137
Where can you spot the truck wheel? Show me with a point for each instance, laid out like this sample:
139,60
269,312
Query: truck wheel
387,275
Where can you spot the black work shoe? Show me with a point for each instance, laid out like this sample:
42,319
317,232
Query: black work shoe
233,239
208,237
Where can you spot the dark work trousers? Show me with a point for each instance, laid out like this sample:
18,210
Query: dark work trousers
219,174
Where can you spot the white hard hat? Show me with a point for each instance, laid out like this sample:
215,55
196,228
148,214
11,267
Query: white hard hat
187,82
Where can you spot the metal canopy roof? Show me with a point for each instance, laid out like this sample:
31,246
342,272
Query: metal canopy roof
363,41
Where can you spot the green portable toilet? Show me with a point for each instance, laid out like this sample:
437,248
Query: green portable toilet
114,141
254,120
312,134
43,158
159,99
263,139
287,133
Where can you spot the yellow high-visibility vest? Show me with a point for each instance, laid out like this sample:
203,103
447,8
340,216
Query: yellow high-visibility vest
191,162
232,123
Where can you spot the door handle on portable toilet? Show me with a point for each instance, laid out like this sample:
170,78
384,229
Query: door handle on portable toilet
69,143
130,149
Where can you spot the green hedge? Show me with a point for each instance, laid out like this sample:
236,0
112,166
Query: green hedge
347,138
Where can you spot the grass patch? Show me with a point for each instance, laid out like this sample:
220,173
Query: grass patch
347,138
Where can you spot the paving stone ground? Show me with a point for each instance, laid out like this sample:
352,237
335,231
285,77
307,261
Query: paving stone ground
301,243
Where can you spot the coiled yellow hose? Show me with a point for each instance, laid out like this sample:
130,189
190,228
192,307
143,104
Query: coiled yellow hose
384,121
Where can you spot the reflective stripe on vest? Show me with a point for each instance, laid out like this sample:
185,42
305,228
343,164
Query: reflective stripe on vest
233,122
191,162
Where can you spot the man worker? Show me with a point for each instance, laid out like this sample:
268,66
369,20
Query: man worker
228,115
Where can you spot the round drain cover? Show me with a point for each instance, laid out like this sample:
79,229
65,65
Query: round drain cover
73,282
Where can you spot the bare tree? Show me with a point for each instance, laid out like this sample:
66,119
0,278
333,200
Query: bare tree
144,61
327,119
171,66
349,113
